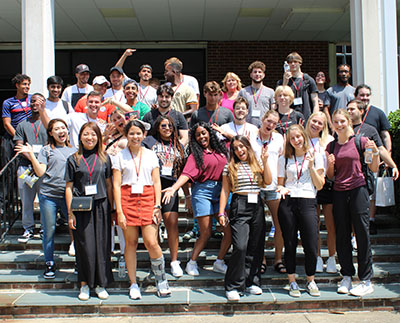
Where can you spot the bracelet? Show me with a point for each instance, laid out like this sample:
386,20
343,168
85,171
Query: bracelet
187,196
157,207
221,214
376,154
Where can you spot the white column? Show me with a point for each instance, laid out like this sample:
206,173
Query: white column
38,42
374,49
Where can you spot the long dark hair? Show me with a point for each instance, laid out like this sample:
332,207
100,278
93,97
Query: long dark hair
50,139
99,146
197,150
155,132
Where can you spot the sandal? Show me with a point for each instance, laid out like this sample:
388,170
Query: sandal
280,268
263,268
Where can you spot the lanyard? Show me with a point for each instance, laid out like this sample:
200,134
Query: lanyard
169,149
237,131
313,146
177,87
366,113
140,163
265,142
297,166
26,108
253,93
216,116
295,86
79,93
251,181
90,171
36,132
141,97
284,131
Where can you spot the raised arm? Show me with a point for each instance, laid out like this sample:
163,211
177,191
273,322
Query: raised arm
121,61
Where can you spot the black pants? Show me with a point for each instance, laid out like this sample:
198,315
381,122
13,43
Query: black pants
248,237
296,214
351,209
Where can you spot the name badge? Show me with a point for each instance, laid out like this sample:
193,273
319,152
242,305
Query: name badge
166,171
91,189
298,101
252,198
256,113
36,148
137,189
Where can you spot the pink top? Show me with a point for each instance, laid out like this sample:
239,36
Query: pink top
226,103
214,164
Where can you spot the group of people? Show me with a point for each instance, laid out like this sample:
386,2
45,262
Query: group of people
114,156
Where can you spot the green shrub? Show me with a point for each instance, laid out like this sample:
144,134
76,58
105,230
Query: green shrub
394,119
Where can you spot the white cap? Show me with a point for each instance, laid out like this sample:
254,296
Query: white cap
100,80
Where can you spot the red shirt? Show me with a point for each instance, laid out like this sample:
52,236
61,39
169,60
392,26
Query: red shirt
104,111
214,164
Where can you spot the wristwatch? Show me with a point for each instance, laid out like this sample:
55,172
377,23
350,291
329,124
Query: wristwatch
157,207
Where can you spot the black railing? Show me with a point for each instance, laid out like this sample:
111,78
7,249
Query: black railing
10,206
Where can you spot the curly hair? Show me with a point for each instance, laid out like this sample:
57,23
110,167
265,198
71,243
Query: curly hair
197,150
155,132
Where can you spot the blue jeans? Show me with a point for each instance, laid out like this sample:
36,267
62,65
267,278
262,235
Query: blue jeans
48,216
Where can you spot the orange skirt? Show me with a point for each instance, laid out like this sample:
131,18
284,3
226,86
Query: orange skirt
138,208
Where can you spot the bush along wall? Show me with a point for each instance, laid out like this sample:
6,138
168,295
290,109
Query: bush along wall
394,119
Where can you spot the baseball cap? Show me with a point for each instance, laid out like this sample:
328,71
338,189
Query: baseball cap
100,80
118,69
82,68
146,66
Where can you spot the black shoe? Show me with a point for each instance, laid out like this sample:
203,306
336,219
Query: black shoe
28,235
50,271
217,235
373,229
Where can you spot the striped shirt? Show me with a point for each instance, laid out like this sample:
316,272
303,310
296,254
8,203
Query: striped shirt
16,110
245,179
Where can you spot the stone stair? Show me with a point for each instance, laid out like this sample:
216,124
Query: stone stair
25,293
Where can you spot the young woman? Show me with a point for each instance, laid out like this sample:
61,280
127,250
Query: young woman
164,141
244,175
231,88
351,202
300,175
318,134
204,168
88,174
50,165
137,193
284,97
268,137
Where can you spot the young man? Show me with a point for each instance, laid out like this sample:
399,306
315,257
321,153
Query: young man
74,92
376,118
32,132
303,85
184,100
76,120
55,107
212,112
259,96
341,93
15,110
146,93
100,85
116,90
164,97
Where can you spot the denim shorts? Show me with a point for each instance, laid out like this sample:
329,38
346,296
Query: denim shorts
205,197
269,195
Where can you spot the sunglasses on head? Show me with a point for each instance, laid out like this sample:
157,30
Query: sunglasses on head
165,126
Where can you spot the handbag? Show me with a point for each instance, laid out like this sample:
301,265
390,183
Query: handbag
384,195
81,203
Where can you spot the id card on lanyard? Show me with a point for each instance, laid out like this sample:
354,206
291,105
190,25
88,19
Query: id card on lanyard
251,197
136,187
90,189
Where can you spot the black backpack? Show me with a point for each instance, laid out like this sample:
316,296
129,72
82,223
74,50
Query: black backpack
368,174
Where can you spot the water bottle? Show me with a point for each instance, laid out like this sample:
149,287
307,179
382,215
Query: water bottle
368,156
286,67
121,267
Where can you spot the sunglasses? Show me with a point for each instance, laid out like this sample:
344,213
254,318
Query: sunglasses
165,126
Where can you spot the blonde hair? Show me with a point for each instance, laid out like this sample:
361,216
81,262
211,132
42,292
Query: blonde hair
324,133
345,114
289,149
235,77
287,90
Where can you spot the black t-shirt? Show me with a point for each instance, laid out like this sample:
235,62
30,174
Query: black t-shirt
286,120
179,119
368,131
377,118
79,175
220,116
302,88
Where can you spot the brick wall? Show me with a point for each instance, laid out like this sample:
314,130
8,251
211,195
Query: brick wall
223,57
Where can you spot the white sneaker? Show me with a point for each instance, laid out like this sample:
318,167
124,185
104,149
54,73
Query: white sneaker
232,295
163,288
364,288
176,269
134,292
84,294
71,250
28,235
331,265
344,285
220,267
191,268
101,292
313,289
320,265
254,290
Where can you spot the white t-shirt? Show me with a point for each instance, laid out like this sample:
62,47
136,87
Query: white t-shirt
123,162
192,82
315,145
118,96
246,129
302,187
56,109
75,121
275,149
72,94
147,95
